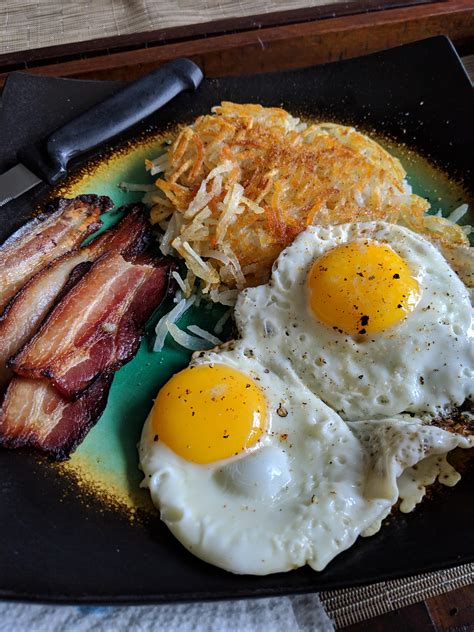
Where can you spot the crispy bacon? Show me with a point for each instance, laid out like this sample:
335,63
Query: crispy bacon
33,414
98,325
63,226
26,311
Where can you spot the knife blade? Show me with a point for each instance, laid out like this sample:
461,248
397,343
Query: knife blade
48,159
16,181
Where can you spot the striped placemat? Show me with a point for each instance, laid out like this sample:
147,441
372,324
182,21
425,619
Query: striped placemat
352,605
468,62
28,24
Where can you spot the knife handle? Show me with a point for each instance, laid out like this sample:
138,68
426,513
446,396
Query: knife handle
49,158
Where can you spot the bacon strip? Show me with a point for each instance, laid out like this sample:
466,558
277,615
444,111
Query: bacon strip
33,414
26,311
63,226
97,326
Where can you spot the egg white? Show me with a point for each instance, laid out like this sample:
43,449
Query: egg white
394,446
425,364
274,508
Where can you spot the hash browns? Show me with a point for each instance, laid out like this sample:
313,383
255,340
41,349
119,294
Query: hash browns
239,184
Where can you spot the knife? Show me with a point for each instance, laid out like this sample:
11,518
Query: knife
48,159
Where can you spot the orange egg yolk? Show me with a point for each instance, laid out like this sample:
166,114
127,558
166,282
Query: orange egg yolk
363,287
208,413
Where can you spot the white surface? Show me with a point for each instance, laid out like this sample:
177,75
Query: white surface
300,612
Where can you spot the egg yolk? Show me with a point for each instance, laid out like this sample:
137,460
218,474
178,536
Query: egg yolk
362,287
209,412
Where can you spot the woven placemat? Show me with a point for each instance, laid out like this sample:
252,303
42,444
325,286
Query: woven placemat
352,605
28,24
468,62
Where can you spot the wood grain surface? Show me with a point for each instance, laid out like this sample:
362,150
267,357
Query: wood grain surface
29,24
276,47
109,41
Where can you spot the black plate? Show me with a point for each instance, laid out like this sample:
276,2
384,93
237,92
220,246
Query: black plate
55,548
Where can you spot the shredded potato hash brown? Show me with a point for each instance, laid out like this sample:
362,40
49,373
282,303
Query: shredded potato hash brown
238,185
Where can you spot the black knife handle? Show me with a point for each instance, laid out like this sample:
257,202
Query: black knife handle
49,158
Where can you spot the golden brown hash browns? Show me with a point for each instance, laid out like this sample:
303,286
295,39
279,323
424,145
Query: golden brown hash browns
238,185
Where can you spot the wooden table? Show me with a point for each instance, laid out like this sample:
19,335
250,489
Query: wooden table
262,43
291,39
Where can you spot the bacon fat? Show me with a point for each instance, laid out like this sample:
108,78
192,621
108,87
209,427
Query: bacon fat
26,311
97,326
63,226
33,414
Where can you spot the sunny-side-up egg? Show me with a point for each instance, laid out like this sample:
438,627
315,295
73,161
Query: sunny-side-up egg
254,474
371,318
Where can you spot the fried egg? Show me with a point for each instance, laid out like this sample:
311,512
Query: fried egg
255,474
250,471
370,317
281,448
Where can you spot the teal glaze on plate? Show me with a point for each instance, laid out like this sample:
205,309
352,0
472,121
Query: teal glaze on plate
430,182
108,457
